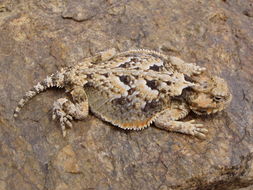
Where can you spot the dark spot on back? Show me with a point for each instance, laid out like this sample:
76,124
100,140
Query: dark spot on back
89,76
187,78
121,100
156,68
131,91
128,64
134,59
151,105
168,83
136,76
106,75
125,65
153,84
125,79
88,84
163,91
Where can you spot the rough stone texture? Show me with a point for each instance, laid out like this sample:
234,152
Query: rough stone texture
38,37
247,188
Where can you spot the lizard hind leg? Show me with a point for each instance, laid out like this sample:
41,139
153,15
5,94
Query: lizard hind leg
65,110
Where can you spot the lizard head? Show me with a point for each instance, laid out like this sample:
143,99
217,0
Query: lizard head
209,95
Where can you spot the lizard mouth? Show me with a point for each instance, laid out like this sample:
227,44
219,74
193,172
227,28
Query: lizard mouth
200,112
204,111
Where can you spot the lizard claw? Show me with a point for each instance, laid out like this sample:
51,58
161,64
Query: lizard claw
196,129
64,118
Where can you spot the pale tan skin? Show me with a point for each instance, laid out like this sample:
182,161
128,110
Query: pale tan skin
207,94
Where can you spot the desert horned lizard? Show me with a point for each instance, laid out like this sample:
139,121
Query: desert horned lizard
135,88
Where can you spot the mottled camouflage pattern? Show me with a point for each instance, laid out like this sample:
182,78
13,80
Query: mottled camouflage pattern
135,88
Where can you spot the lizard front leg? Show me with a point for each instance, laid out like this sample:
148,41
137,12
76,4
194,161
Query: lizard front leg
66,111
167,120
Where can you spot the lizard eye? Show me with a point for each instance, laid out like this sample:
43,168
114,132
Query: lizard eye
217,98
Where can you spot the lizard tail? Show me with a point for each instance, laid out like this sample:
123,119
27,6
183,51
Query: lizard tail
55,80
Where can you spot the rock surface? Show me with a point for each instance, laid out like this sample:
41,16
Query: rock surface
39,37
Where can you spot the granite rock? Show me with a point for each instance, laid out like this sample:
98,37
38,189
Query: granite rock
39,37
